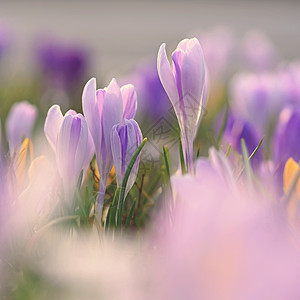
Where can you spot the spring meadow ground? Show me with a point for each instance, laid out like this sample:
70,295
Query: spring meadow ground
158,161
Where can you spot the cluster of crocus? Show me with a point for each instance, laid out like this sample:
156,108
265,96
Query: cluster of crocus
198,240
109,113
264,105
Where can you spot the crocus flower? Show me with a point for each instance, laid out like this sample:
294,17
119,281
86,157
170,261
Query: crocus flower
125,139
237,129
19,124
285,141
103,109
71,149
52,126
64,66
257,98
184,84
219,241
153,100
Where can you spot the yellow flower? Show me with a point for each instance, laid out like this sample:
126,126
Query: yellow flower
290,173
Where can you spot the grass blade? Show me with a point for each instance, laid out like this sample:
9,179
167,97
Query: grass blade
250,157
167,159
125,179
129,217
182,163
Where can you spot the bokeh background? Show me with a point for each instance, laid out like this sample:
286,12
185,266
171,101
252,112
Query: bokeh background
121,33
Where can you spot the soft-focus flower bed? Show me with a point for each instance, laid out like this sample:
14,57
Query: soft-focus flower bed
177,181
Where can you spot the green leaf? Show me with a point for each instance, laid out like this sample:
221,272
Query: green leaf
256,149
111,215
125,179
129,217
228,151
167,159
182,163
250,157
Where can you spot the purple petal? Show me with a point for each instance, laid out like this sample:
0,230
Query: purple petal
116,148
129,101
19,124
166,75
112,115
91,111
52,124
81,147
62,148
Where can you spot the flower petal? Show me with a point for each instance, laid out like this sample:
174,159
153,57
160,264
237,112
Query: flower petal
129,98
52,124
166,75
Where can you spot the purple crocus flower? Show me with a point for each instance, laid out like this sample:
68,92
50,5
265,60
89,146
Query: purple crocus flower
153,100
285,141
71,149
19,124
184,84
257,98
52,127
237,129
63,65
103,109
125,139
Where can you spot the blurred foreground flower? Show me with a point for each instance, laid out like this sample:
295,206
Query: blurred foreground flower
221,238
19,124
185,84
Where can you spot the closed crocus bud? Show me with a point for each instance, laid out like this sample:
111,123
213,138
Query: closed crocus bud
285,141
103,109
256,98
52,125
19,124
184,84
71,149
125,139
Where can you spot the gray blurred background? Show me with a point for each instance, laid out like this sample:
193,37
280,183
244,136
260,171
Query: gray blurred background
122,33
